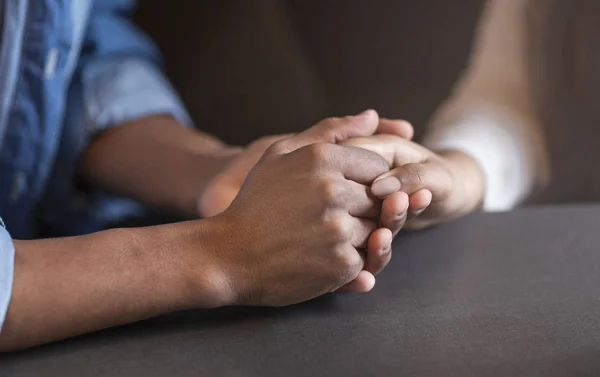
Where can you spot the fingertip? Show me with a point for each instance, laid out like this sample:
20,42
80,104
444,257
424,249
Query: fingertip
394,211
429,196
368,281
396,203
407,129
364,282
393,206
420,199
378,240
369,113
386,236
403,197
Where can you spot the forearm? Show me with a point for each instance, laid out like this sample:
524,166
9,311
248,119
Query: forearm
491,116
66,287
468,180
156,161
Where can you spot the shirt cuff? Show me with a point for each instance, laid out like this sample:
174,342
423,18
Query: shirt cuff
502,151
120,90
7,264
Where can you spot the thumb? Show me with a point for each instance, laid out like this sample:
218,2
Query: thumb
333,130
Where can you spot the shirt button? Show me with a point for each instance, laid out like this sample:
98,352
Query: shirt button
19,186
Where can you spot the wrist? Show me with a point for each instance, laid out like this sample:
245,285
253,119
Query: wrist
201,169
205,158
468,179
155,160
200,269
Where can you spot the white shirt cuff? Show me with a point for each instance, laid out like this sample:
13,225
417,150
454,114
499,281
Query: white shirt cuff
502,150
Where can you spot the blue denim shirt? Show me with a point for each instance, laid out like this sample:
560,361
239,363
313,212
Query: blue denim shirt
69,69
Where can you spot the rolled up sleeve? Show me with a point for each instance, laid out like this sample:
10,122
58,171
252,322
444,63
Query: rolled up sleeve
118,79
120,71
125,89
7,262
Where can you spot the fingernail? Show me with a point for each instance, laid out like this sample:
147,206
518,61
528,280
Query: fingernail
385,186
417,213
402,214
386,250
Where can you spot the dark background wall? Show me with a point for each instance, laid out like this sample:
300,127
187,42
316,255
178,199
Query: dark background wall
250,68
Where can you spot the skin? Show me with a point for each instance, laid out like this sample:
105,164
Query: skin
423,189
70,286
221,191
157,161
439,187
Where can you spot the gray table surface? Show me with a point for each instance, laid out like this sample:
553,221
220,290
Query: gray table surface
514,294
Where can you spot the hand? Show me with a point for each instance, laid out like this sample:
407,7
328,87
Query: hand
221,191
301,215
379,246
435,187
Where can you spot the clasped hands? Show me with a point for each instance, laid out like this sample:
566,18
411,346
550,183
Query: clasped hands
394,182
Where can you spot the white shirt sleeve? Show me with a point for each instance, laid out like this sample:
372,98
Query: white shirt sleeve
490,115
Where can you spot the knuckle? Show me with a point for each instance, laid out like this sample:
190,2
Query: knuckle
414,174
350,263
320,152
261,144
329,122
329,191
338,229
329,128
277,148
376,160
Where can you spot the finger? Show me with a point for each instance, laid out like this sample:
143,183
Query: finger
379,250
355,197
214,205
229,151
240,168
361,230
354,164
395,150
332,130
394,212
360,165
414,177
364,282
396,127
418,202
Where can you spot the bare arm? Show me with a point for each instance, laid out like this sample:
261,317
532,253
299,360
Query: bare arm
70,286
491,115
156,160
